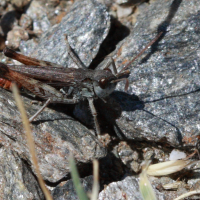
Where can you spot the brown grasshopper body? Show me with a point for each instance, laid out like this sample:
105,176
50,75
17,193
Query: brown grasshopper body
44,79
86,83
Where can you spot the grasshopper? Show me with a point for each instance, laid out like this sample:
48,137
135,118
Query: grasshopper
44,78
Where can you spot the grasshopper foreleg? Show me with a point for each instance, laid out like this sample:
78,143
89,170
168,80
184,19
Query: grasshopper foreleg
111,63
94,114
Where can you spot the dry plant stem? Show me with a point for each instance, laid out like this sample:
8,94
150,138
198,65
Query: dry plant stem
30,141
95,188
183,196
191,155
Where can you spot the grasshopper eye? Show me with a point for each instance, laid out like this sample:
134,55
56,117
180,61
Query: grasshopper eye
103,83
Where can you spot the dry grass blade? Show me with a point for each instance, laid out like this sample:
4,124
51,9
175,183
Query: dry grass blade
169,167
30,141
183,196
95,188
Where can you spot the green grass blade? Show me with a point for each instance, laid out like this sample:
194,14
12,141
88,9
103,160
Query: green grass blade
76,180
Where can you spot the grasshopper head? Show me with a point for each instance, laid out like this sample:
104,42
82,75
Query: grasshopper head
105,82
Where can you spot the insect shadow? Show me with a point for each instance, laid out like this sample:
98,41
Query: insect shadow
130,103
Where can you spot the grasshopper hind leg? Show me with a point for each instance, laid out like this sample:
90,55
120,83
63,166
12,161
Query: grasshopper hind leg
73,56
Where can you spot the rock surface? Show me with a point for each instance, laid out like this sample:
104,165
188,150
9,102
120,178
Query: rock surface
127,189
56,137
160,111
17,179
85,33
162,100
56,134
67,191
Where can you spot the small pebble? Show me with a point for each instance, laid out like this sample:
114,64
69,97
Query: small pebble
176,155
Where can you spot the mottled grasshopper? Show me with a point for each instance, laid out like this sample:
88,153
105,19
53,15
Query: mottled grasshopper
45,78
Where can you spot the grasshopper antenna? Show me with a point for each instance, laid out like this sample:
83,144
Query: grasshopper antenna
125,72
143,50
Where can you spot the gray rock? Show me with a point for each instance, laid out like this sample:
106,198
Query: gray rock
17,180
19,4
15,36
3,3
161,104
162,100
87,25
126,189
25,21
129,156
56,136
68,192
38,13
